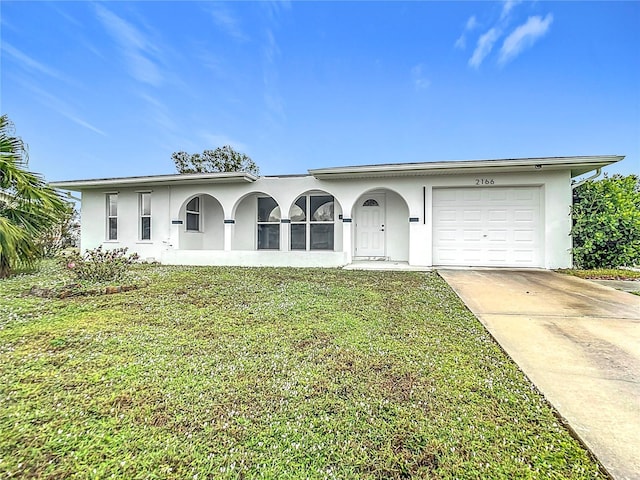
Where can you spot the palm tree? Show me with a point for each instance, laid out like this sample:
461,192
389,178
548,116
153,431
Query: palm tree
28,206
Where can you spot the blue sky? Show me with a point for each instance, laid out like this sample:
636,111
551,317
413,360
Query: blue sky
106,89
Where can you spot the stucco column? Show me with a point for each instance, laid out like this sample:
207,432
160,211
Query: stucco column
285,235
173,240
346,238
419,243
228,233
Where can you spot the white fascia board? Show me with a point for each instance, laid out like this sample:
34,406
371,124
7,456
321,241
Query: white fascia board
577,165
156,180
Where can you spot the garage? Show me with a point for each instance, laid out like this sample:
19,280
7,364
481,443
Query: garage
488,226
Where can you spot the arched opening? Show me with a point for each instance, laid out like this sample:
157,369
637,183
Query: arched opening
381,219
314,222
202,223
257,223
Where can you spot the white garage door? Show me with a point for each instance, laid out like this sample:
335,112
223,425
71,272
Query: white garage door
496,226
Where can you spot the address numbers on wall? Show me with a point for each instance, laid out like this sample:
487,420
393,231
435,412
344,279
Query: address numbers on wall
485,181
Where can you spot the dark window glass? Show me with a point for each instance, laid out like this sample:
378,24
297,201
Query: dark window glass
268,210
194,205
193,222
321,236
322,208
145,216
146,228
193,215
370,203
113,228
269,236
112,216
298,236
299,210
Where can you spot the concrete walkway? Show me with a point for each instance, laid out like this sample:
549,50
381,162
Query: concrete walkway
382,265
578,342
624,285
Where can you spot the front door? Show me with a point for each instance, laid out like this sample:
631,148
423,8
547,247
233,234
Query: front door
370,226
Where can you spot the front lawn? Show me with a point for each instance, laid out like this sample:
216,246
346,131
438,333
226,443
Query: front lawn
267,373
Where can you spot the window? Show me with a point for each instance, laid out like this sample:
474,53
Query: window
370,203
268,224
112,216
313,231
145,216
298,216
193,215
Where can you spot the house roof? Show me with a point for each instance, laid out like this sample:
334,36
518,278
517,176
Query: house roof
577,165
157,180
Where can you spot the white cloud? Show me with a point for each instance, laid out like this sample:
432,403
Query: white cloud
483,47
270,47
461,42
29,63
507,7
159,113
276,9
275,111
420,81
227,22
524,36
63,108
82,123
136,47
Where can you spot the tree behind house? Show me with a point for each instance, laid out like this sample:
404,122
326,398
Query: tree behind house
222,159
64,234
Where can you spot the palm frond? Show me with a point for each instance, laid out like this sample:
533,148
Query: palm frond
28,206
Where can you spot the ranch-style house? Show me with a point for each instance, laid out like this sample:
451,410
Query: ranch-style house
488,213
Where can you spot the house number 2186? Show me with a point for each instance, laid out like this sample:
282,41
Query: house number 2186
485,181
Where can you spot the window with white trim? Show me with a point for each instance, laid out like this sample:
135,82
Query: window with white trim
112,216
193,215
268,224
145,215
312,223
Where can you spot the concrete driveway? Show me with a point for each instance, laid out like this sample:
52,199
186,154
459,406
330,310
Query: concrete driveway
578,342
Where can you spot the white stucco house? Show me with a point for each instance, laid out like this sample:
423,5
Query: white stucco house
496,213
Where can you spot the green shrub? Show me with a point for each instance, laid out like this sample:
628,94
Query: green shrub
606,223
100,265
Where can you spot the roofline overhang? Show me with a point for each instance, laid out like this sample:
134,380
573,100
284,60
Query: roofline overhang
156,180
577,166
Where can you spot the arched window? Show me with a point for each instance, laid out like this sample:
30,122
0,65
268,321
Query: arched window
268,224
370,202
312,223
193,215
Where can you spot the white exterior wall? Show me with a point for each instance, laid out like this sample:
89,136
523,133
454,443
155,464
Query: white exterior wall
235,243
558,198
94,223
397,228
244,228
211,234
555,208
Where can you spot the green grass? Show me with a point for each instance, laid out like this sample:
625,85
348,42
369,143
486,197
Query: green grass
267,373
603,273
